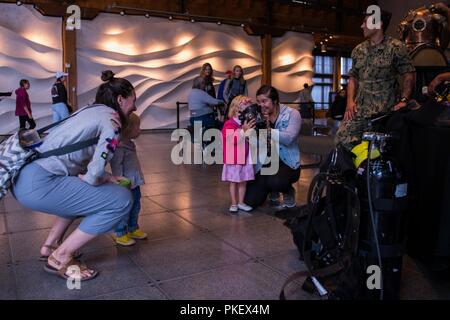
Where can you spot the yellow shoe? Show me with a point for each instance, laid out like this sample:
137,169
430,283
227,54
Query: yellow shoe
125,240
137,234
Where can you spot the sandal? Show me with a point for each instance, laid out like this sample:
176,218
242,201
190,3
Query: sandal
62,271
76,255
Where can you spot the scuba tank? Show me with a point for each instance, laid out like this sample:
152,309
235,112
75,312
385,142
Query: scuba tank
383,211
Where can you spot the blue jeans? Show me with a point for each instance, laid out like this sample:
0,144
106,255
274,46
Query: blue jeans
130,222
60,111
208,121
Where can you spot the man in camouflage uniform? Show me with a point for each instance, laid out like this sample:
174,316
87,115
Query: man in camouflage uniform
373,86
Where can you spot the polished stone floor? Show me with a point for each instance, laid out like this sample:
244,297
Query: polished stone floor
195,249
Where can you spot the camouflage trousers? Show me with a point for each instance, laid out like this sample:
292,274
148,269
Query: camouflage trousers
350,132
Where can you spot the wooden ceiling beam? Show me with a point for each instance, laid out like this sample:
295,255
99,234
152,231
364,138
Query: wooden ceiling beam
321,17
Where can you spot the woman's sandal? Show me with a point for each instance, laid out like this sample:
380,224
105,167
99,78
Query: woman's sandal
63,268
77,254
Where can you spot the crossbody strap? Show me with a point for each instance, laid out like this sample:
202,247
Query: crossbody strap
68,149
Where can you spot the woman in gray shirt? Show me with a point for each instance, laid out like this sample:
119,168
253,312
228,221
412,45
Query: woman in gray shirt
201,105
76,185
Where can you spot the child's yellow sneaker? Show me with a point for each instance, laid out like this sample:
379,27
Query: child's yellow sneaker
138,234
125,240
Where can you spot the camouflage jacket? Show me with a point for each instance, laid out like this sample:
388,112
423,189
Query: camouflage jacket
377,69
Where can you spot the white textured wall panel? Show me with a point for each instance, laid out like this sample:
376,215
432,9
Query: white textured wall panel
292,63
161,58
30,48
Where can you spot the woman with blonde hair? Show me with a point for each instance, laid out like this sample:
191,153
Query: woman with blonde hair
238,167
206,73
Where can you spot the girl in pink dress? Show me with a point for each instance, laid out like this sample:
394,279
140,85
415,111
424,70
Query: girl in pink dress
237,168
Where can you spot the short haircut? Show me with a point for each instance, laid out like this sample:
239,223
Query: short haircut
23,82
386,17
199,83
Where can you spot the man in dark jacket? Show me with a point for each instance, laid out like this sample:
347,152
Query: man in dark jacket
59,98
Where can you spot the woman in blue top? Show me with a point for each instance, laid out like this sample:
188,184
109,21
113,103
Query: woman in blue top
288,123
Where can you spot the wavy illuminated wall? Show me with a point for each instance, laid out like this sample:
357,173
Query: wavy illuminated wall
292,63
30,47
161,58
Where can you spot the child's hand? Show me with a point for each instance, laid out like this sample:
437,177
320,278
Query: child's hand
249,125
116,179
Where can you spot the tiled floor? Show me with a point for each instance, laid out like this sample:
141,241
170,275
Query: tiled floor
195,249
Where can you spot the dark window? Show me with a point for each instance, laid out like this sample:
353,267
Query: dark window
346,65
323,81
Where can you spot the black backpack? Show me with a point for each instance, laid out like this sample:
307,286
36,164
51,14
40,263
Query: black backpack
326,230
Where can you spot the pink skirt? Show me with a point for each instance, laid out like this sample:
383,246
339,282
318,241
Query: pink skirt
238,172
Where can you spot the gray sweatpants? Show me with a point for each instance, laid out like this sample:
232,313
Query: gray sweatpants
102,206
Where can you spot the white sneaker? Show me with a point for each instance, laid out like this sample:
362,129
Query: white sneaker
244,207
289,199
234,209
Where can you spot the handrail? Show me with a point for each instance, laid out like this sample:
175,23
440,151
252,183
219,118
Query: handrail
179,103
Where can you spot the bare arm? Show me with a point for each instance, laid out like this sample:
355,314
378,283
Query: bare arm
437,81
351,95
442,8
408,80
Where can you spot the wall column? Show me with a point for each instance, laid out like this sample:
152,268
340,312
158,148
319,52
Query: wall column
337,73
69,63
266,55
